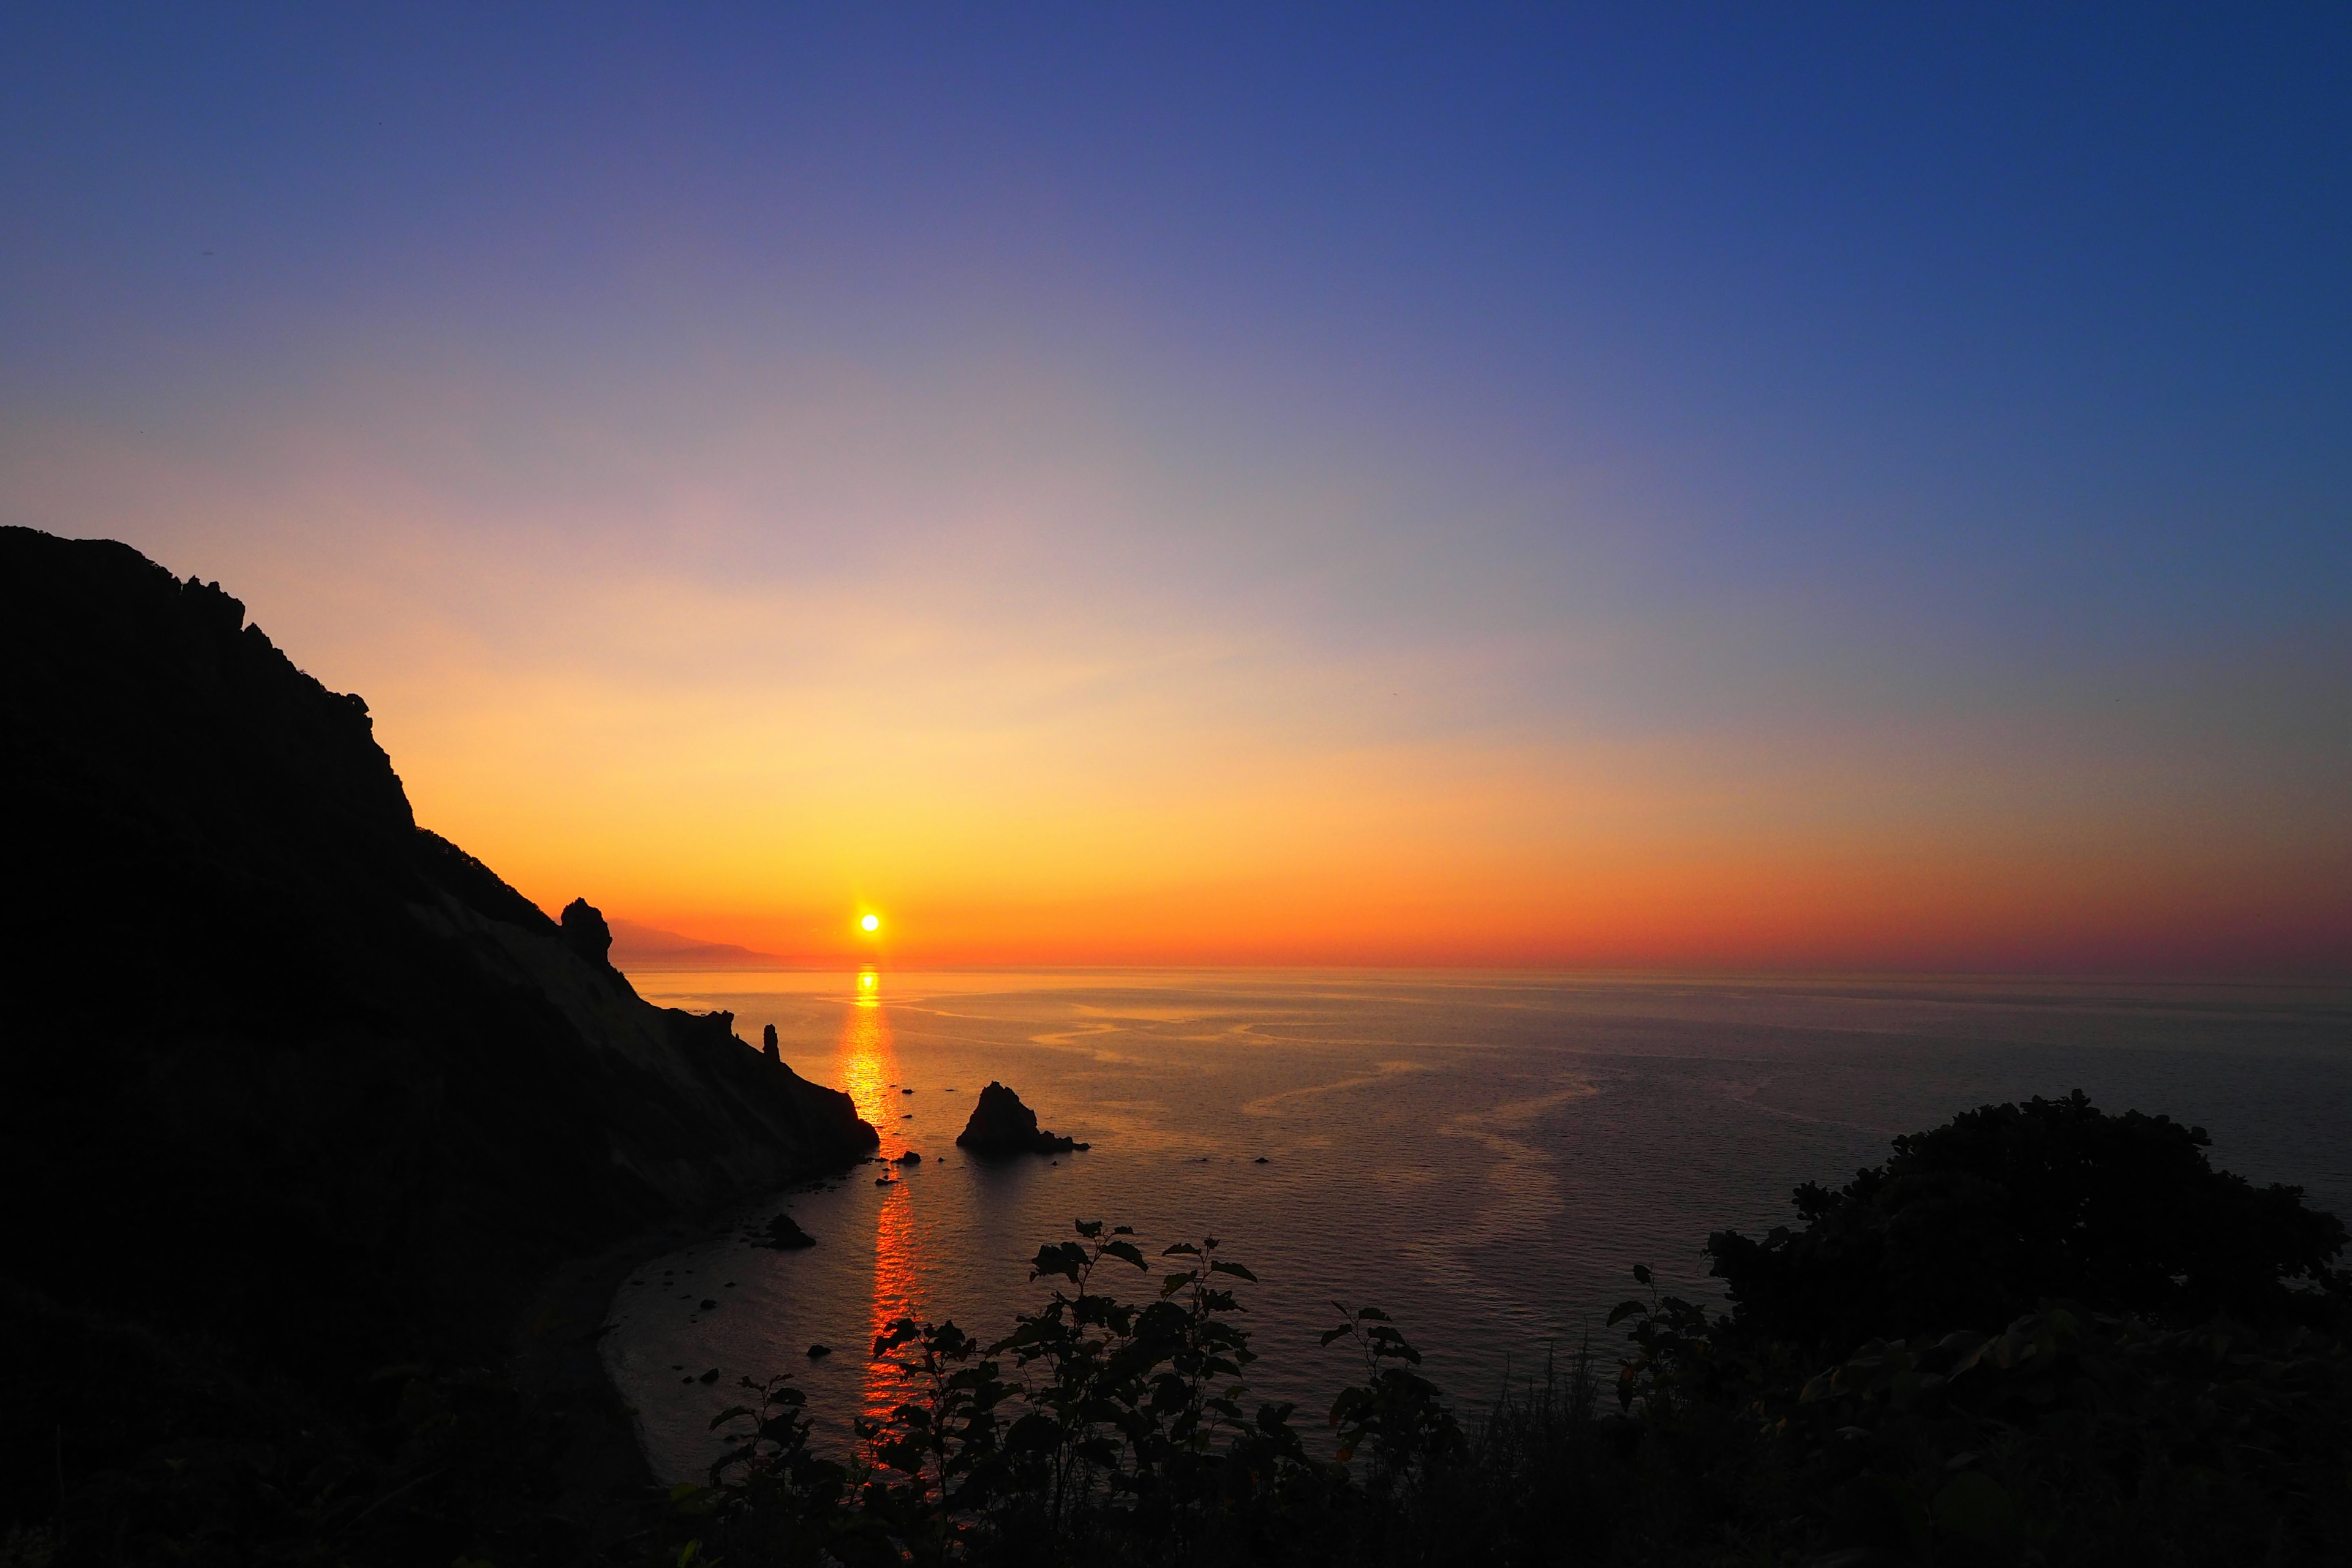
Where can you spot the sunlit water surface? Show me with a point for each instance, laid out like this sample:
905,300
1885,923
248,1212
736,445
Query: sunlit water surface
1484,1156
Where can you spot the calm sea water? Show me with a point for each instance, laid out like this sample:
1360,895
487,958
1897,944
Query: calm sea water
1486,1156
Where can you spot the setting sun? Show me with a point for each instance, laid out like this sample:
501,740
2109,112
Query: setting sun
871,923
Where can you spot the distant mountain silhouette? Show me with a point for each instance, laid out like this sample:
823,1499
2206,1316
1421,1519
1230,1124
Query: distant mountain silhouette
651,948
283,1073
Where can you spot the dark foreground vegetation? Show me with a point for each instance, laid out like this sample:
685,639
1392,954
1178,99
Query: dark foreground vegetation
2036,1334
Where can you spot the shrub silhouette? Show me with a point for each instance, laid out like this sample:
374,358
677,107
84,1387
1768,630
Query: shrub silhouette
1096,1427
1976,1222
1106,1432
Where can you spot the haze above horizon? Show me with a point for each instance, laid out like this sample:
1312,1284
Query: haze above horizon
1856,488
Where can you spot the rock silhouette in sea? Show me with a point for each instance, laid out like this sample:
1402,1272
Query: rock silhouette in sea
768,1044
784,1235
1001,1124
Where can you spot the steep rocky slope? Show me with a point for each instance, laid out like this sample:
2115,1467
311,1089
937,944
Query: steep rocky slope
285,1075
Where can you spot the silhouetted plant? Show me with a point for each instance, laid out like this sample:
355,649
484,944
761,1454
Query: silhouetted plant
1977,1220
1096,1417
1670,1346
780,1499
2075,1437
937,1465
1395,1411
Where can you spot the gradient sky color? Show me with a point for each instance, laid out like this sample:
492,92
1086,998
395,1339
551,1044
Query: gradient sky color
1837,486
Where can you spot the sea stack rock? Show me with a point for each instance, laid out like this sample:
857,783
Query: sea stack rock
768,1044
1001,1124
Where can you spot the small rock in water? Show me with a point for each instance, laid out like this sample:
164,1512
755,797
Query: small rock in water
1001,1124
908,1158
783,1234
1261,1160
905,1092
709,1305
710,1376
816,1350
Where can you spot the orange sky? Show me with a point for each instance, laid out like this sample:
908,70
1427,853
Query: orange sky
1018,744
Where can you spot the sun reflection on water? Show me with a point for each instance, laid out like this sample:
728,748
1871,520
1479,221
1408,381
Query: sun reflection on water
868,1068
897,1261
869,1062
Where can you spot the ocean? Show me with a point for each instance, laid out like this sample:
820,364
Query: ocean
1484,1155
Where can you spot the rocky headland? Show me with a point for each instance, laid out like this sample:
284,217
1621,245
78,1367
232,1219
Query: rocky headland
293,1090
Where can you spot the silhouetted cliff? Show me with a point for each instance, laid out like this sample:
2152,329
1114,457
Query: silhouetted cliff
283,1071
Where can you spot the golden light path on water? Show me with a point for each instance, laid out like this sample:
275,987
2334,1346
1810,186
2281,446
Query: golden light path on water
866,1064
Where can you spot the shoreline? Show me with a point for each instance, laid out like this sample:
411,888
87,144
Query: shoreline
557,1355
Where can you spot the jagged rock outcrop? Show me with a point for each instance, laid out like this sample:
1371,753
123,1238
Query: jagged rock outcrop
1001,1124
585,934
283,1071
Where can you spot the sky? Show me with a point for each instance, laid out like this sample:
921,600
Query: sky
1827,486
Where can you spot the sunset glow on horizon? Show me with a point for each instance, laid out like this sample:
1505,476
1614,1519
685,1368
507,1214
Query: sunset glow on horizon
1551,489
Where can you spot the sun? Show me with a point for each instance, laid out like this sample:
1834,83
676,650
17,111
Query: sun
871,923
